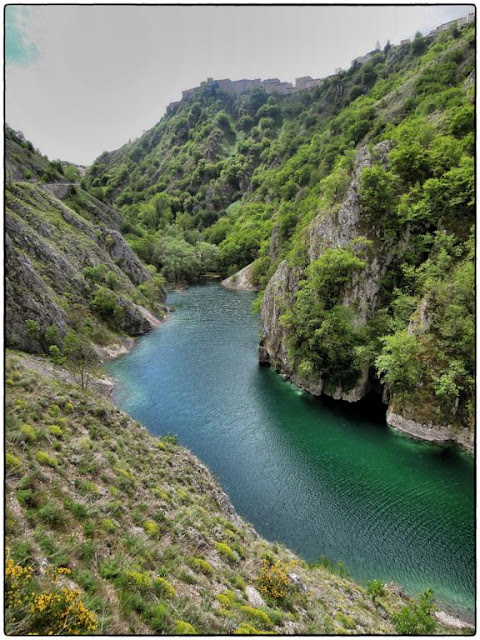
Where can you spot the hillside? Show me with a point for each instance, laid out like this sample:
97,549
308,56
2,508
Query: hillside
132,534
354,203
68,268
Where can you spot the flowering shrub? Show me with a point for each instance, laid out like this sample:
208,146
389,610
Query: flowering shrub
58,611
273,581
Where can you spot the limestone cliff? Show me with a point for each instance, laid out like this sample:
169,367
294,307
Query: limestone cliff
49,250
420,412
329,230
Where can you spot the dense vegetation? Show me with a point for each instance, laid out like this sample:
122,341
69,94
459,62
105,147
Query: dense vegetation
224,182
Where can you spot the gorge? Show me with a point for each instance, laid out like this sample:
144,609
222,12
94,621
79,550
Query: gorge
340,215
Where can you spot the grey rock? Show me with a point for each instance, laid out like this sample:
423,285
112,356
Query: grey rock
297,582
254,598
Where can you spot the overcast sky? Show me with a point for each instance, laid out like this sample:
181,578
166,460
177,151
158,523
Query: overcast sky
81,80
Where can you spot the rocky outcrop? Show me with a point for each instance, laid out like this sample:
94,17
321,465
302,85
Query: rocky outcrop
279,296
329,230
123,256
429,432
241,281
28,297
48,248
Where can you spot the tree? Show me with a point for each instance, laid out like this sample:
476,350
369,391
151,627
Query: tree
377,194
80,359
410,162
419,44
399,363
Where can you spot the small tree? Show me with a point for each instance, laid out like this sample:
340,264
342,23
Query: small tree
80,359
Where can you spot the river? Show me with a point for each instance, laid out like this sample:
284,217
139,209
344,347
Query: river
322,477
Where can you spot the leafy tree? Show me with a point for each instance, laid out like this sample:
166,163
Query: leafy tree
104,302
377,195
410,162
32,328
399,365
418,45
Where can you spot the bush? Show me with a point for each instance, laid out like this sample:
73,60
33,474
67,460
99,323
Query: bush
46,460
51,515
258,616
375,589
28,432
151,528
226,551
273,581
183,628
399,364
164,588
55,611
55,430
201,566
416,619
377,195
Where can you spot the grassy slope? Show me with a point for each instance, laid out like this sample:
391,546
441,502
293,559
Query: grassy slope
89,489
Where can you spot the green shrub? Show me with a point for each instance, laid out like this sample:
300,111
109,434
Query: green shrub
158,618
164,588
28,432
55,430
54,410
27,497
46,460
110,569
12,463
51,515
78,509
227,598
108,525
183,628
258,616
375,589
201,566
226,551
139,579
151,528
68,408
416,619
240,583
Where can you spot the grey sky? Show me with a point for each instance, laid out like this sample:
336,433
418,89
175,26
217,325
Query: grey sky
94,77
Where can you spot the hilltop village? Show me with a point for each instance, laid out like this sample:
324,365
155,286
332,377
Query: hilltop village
275,86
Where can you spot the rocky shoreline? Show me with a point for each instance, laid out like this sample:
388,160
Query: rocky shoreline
427,432
241,281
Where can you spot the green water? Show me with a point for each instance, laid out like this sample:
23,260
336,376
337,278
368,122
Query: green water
320,476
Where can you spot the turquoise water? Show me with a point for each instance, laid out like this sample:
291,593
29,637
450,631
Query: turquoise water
320,476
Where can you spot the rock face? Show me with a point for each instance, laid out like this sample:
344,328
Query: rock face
333,229
339,229
241,281
48,246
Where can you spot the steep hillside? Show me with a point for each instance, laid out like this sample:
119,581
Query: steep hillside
354,204
112,531
68,268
